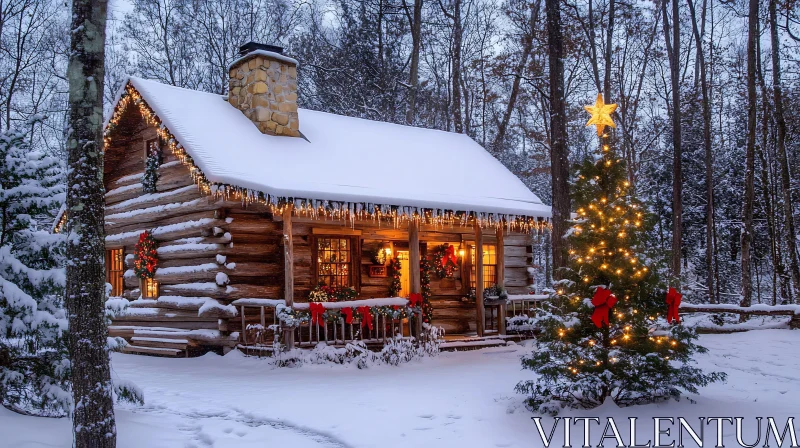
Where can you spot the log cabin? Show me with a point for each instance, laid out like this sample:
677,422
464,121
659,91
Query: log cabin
255,204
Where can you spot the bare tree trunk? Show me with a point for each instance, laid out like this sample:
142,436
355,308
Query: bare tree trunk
527,46
778,267
780,122
415,21
93,418
674,52
559,152
458,35
609,47
709,157
747,209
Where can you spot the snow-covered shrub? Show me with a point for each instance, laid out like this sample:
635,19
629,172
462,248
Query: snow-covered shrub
34,362
396,351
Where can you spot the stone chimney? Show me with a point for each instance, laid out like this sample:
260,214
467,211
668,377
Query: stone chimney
263,85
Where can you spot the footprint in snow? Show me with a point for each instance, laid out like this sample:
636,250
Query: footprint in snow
454,417
227,430
241,433
428,416
422,429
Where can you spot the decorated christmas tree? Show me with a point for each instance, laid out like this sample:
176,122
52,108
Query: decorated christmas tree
608,331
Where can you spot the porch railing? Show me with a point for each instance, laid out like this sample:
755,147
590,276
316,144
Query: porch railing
261,326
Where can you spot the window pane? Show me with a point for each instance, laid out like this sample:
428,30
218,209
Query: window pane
333,259
489,265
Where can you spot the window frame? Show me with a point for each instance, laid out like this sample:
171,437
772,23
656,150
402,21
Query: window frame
355,257
120,272
473,276
144,290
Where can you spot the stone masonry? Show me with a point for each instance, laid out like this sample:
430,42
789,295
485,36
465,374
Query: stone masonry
265,89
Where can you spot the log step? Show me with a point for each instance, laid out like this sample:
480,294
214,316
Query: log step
471,345
177,344
154,351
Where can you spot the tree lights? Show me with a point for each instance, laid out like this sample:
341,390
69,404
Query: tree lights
595,343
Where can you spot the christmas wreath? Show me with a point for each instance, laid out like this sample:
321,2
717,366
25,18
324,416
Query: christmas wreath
145,258
444,261
378,257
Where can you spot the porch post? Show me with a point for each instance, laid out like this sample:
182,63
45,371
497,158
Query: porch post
479,309
413,265
501,279
288,271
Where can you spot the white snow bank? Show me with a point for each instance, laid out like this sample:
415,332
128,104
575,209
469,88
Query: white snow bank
213,306
270,303
722,307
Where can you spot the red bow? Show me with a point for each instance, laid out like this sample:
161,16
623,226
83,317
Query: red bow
603,301
366,316
316,313
673,302
348,315
414,299
449,255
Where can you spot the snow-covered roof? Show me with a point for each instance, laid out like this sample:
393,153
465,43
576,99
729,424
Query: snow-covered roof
340,158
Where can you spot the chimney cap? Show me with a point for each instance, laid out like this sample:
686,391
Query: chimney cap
253,46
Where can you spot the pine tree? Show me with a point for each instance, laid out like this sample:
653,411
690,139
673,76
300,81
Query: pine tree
595,345
34,365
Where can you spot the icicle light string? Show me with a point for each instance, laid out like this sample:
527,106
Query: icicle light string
316,208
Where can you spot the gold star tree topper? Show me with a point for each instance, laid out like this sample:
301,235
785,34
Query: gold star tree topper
601,114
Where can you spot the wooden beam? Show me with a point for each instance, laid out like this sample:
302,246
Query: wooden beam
414,273
288,271
501,279
479,278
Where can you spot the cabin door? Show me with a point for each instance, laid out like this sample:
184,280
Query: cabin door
405,281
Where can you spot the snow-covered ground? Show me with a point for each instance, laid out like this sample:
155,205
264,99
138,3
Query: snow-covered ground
455,400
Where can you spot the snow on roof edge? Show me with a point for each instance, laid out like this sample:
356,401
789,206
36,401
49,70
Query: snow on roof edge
533,210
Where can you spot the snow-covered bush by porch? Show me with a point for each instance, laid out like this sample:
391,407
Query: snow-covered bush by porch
396,351
34,366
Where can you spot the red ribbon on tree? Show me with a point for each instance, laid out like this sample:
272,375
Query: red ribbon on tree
414,299
603,301
348,315
449,255
366,316
673,303
316,310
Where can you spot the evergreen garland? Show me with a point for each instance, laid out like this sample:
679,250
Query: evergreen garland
145,259
425,286
150,176
394,271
